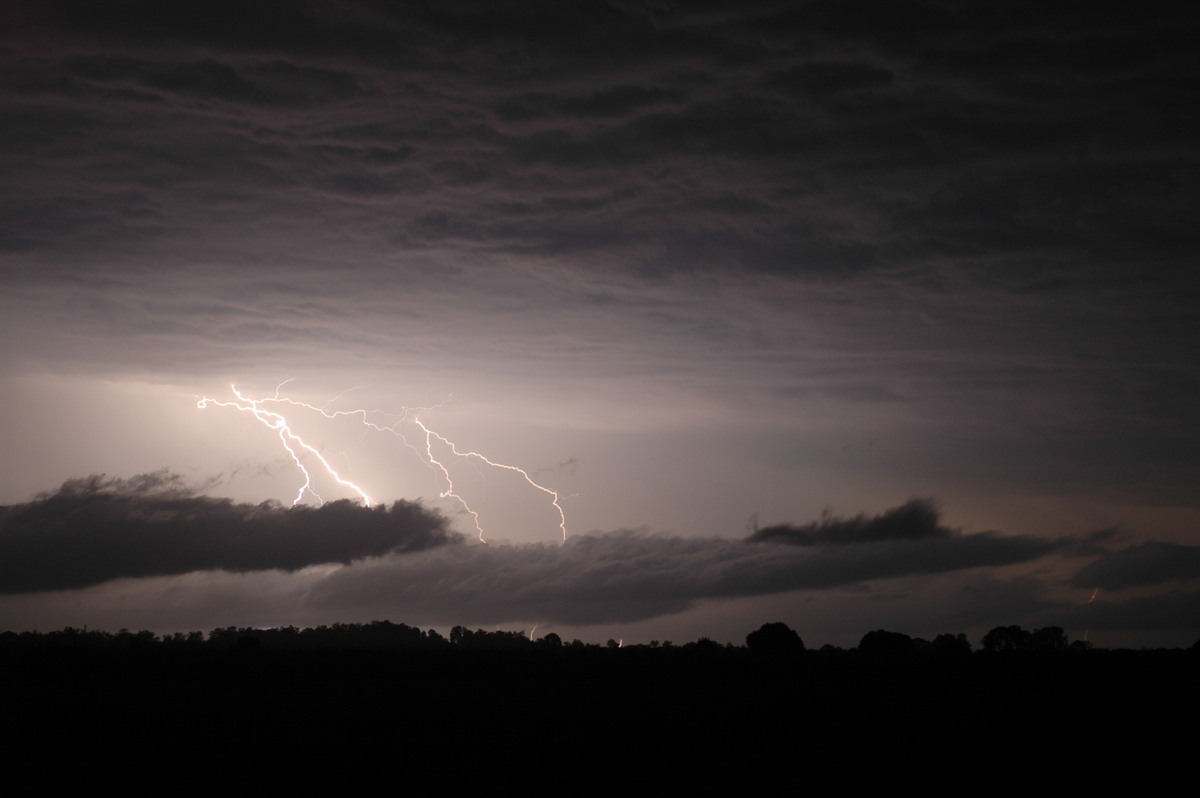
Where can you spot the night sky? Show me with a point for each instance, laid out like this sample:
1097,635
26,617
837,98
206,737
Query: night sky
852,315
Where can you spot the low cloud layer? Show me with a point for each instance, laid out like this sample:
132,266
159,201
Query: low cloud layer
628,576
149,547
916,520
94,530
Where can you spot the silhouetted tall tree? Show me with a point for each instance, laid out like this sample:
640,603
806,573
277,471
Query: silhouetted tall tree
775,639
883,643
1050,638
1007,639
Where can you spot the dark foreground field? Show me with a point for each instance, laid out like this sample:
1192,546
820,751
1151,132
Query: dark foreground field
494,710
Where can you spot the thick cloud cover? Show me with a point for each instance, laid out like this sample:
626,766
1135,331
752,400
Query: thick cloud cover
929,197
770,256
151,539
94,530
828,137
626,576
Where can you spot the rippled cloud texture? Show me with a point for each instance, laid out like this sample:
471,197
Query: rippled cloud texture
402,560
765,258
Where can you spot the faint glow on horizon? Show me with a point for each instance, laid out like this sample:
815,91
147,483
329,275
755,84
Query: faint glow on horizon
292,441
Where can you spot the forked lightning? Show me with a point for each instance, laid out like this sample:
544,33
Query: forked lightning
298,449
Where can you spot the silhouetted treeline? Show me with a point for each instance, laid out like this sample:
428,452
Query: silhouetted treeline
1026,706
771,640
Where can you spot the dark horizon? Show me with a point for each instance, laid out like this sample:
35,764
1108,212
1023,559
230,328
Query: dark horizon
772,639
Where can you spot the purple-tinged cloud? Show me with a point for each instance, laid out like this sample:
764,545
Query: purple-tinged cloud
916,520
94,530
627,576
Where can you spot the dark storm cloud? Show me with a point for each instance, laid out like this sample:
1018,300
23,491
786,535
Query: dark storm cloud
265,83
987,186
403,561
95,530
813,137
626,576
1150,563
968,232
913,521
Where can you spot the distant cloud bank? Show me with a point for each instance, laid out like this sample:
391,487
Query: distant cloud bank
94,530
403,562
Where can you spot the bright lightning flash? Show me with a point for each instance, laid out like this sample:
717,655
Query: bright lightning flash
292,442
289,439
430,434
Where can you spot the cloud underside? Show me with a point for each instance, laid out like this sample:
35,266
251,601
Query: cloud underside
627,576
915,520
95,530
809,138
150,537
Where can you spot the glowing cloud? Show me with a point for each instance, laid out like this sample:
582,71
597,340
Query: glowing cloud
290,441
299,450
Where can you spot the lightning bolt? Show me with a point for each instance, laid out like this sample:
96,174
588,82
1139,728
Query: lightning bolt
448,493
430,434
1092,600
292,441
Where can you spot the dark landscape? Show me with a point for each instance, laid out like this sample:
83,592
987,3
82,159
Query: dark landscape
1027,707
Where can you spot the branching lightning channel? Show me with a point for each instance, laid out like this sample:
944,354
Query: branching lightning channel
288,437
562,518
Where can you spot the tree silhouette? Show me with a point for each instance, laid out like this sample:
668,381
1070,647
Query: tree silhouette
1007,639
1050,638
948,645
775,639
882,643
